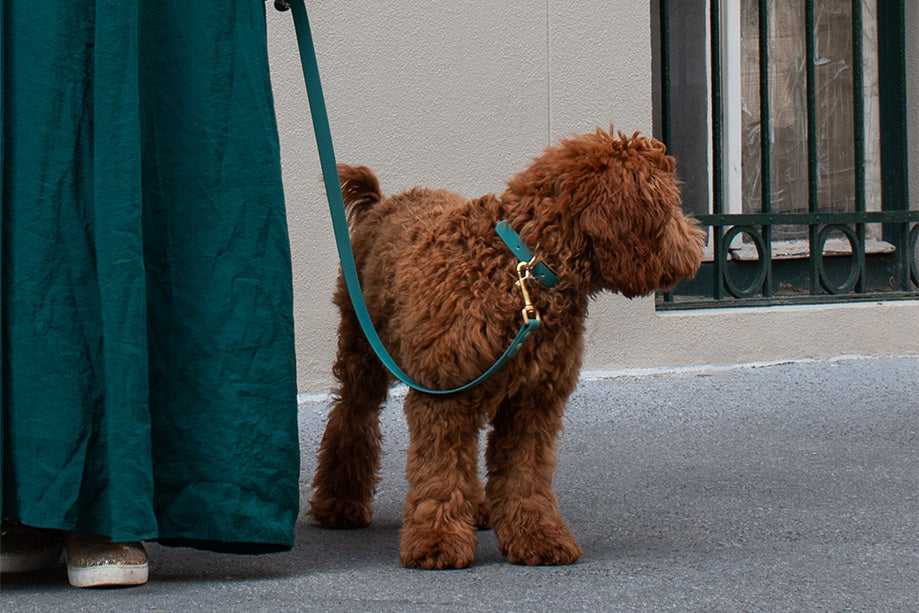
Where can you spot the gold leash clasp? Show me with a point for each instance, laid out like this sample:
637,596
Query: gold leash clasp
529,311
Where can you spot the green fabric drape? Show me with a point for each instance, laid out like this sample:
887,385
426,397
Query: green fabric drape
148,379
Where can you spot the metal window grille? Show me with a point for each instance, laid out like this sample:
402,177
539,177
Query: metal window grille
853,273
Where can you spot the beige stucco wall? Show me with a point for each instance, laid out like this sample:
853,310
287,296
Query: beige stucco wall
461,95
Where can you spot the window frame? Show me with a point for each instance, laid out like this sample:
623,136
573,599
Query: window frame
723,281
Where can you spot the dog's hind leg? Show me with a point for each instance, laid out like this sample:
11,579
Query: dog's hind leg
439,519
349,455
521,460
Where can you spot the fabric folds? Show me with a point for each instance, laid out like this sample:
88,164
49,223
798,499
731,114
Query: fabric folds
148,379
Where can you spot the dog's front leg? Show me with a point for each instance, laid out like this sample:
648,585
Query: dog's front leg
439,519
521,460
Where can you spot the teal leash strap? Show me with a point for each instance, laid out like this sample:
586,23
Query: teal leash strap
523,253
340,222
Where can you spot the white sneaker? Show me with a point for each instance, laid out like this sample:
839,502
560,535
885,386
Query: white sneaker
95,561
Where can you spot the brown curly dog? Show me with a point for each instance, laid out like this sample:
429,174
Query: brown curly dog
603,212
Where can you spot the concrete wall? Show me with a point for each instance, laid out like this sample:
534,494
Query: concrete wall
461,95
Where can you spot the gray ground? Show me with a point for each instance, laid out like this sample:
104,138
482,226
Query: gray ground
790,487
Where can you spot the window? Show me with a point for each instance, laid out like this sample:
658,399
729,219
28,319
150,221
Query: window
788,121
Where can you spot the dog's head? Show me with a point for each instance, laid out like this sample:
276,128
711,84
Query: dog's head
619,197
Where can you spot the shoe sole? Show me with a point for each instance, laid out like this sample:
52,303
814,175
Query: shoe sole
28,562
107,575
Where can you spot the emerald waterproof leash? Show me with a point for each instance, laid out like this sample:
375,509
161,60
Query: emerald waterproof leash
527,267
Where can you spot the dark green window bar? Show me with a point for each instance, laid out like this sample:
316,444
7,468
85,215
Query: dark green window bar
743,267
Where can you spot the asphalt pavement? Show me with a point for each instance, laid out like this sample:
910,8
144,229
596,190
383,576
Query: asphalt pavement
784,487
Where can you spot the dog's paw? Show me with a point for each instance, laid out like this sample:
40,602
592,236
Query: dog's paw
340,514
430,549
544,545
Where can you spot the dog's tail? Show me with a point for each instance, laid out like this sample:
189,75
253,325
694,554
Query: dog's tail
360,189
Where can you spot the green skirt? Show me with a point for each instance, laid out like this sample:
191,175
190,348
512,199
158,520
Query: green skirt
146,349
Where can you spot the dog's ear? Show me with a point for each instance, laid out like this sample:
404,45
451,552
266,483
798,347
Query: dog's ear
630,211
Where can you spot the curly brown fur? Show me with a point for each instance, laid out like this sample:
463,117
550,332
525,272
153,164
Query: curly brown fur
603,212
